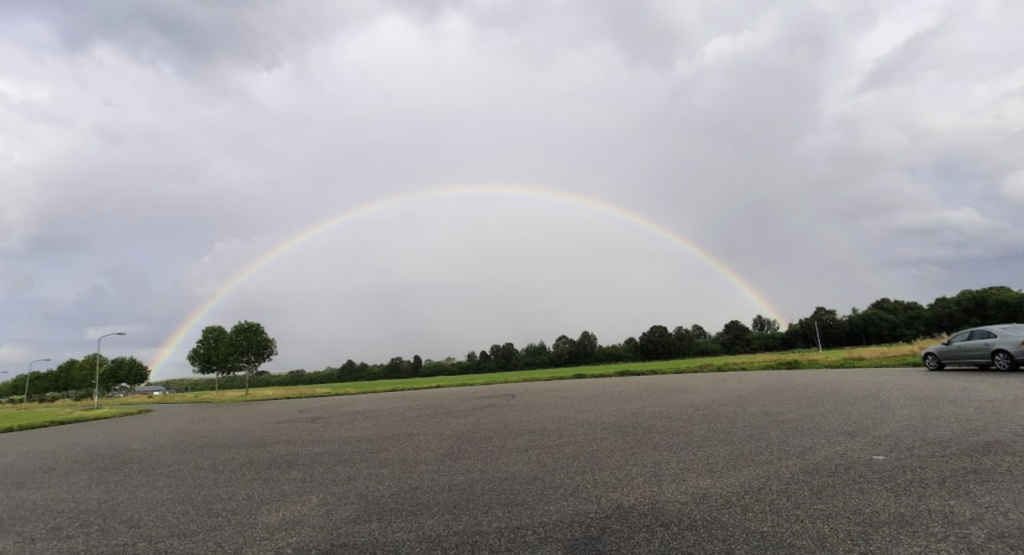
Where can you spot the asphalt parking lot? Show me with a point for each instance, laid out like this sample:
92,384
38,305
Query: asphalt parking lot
830,461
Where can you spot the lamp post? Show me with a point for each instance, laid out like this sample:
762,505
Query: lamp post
29,375
96,390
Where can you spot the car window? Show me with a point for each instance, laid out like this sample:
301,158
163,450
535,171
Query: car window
962,336
978,335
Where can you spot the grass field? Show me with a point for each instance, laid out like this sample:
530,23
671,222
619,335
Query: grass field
17,418
891,356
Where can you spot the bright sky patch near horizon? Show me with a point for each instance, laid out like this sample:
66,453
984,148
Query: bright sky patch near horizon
828,153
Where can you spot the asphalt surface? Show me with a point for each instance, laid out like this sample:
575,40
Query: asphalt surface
831,461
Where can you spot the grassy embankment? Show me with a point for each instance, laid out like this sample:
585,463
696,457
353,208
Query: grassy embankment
15,418
890,356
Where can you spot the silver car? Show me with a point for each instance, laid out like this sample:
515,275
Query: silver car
1001,346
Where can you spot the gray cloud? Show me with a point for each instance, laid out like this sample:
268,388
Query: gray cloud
830,154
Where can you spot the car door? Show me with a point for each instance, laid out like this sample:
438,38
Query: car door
978,347
953,350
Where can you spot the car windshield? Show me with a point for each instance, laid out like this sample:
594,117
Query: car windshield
1017,329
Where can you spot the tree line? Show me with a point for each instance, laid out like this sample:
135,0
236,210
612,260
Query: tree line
882,322
75,379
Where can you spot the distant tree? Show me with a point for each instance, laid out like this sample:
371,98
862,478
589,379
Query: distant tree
66,378
656,343
734,337
126,370
699,333
830,327
212,355
631,348
397,368
586,348
249,347
85,373
348,372
763,324
505,357
682,342
417,365
563,351
485,363
535,355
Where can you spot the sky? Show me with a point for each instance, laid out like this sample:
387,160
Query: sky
483,171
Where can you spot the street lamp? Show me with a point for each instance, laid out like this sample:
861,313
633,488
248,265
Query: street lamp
29,375
96,391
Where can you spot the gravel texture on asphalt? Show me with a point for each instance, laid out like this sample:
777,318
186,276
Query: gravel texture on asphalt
831,461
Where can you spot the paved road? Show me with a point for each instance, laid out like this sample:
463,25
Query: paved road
836,461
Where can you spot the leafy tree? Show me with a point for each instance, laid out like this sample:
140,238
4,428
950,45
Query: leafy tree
249,347
417,365
398,368
484,364
348,372
683,342
212,354
127,370
505,357
699,333
84,376
734,337
829,325
656,344
586,348
67,375
763,324
535,355
632,348
563,351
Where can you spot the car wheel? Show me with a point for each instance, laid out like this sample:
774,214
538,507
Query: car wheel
932,362
1003,361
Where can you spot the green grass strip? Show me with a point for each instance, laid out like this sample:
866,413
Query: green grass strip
13,419
780,361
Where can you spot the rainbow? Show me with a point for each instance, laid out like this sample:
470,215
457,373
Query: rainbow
179,335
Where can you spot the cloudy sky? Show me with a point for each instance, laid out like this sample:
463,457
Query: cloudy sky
827,153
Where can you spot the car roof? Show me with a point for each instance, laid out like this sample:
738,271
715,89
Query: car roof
990,327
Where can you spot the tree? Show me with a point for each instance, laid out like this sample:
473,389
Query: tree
85,374
762,324
734,337
631,347
586,348
67,375
826,323
535,355
417,365
485,364
128,370
699,333
563,351
682,342
656,343
397,368
249,347
211,354
505,357
348,372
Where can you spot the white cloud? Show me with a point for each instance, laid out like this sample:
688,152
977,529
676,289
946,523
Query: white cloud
1013,187
964,219
95,332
